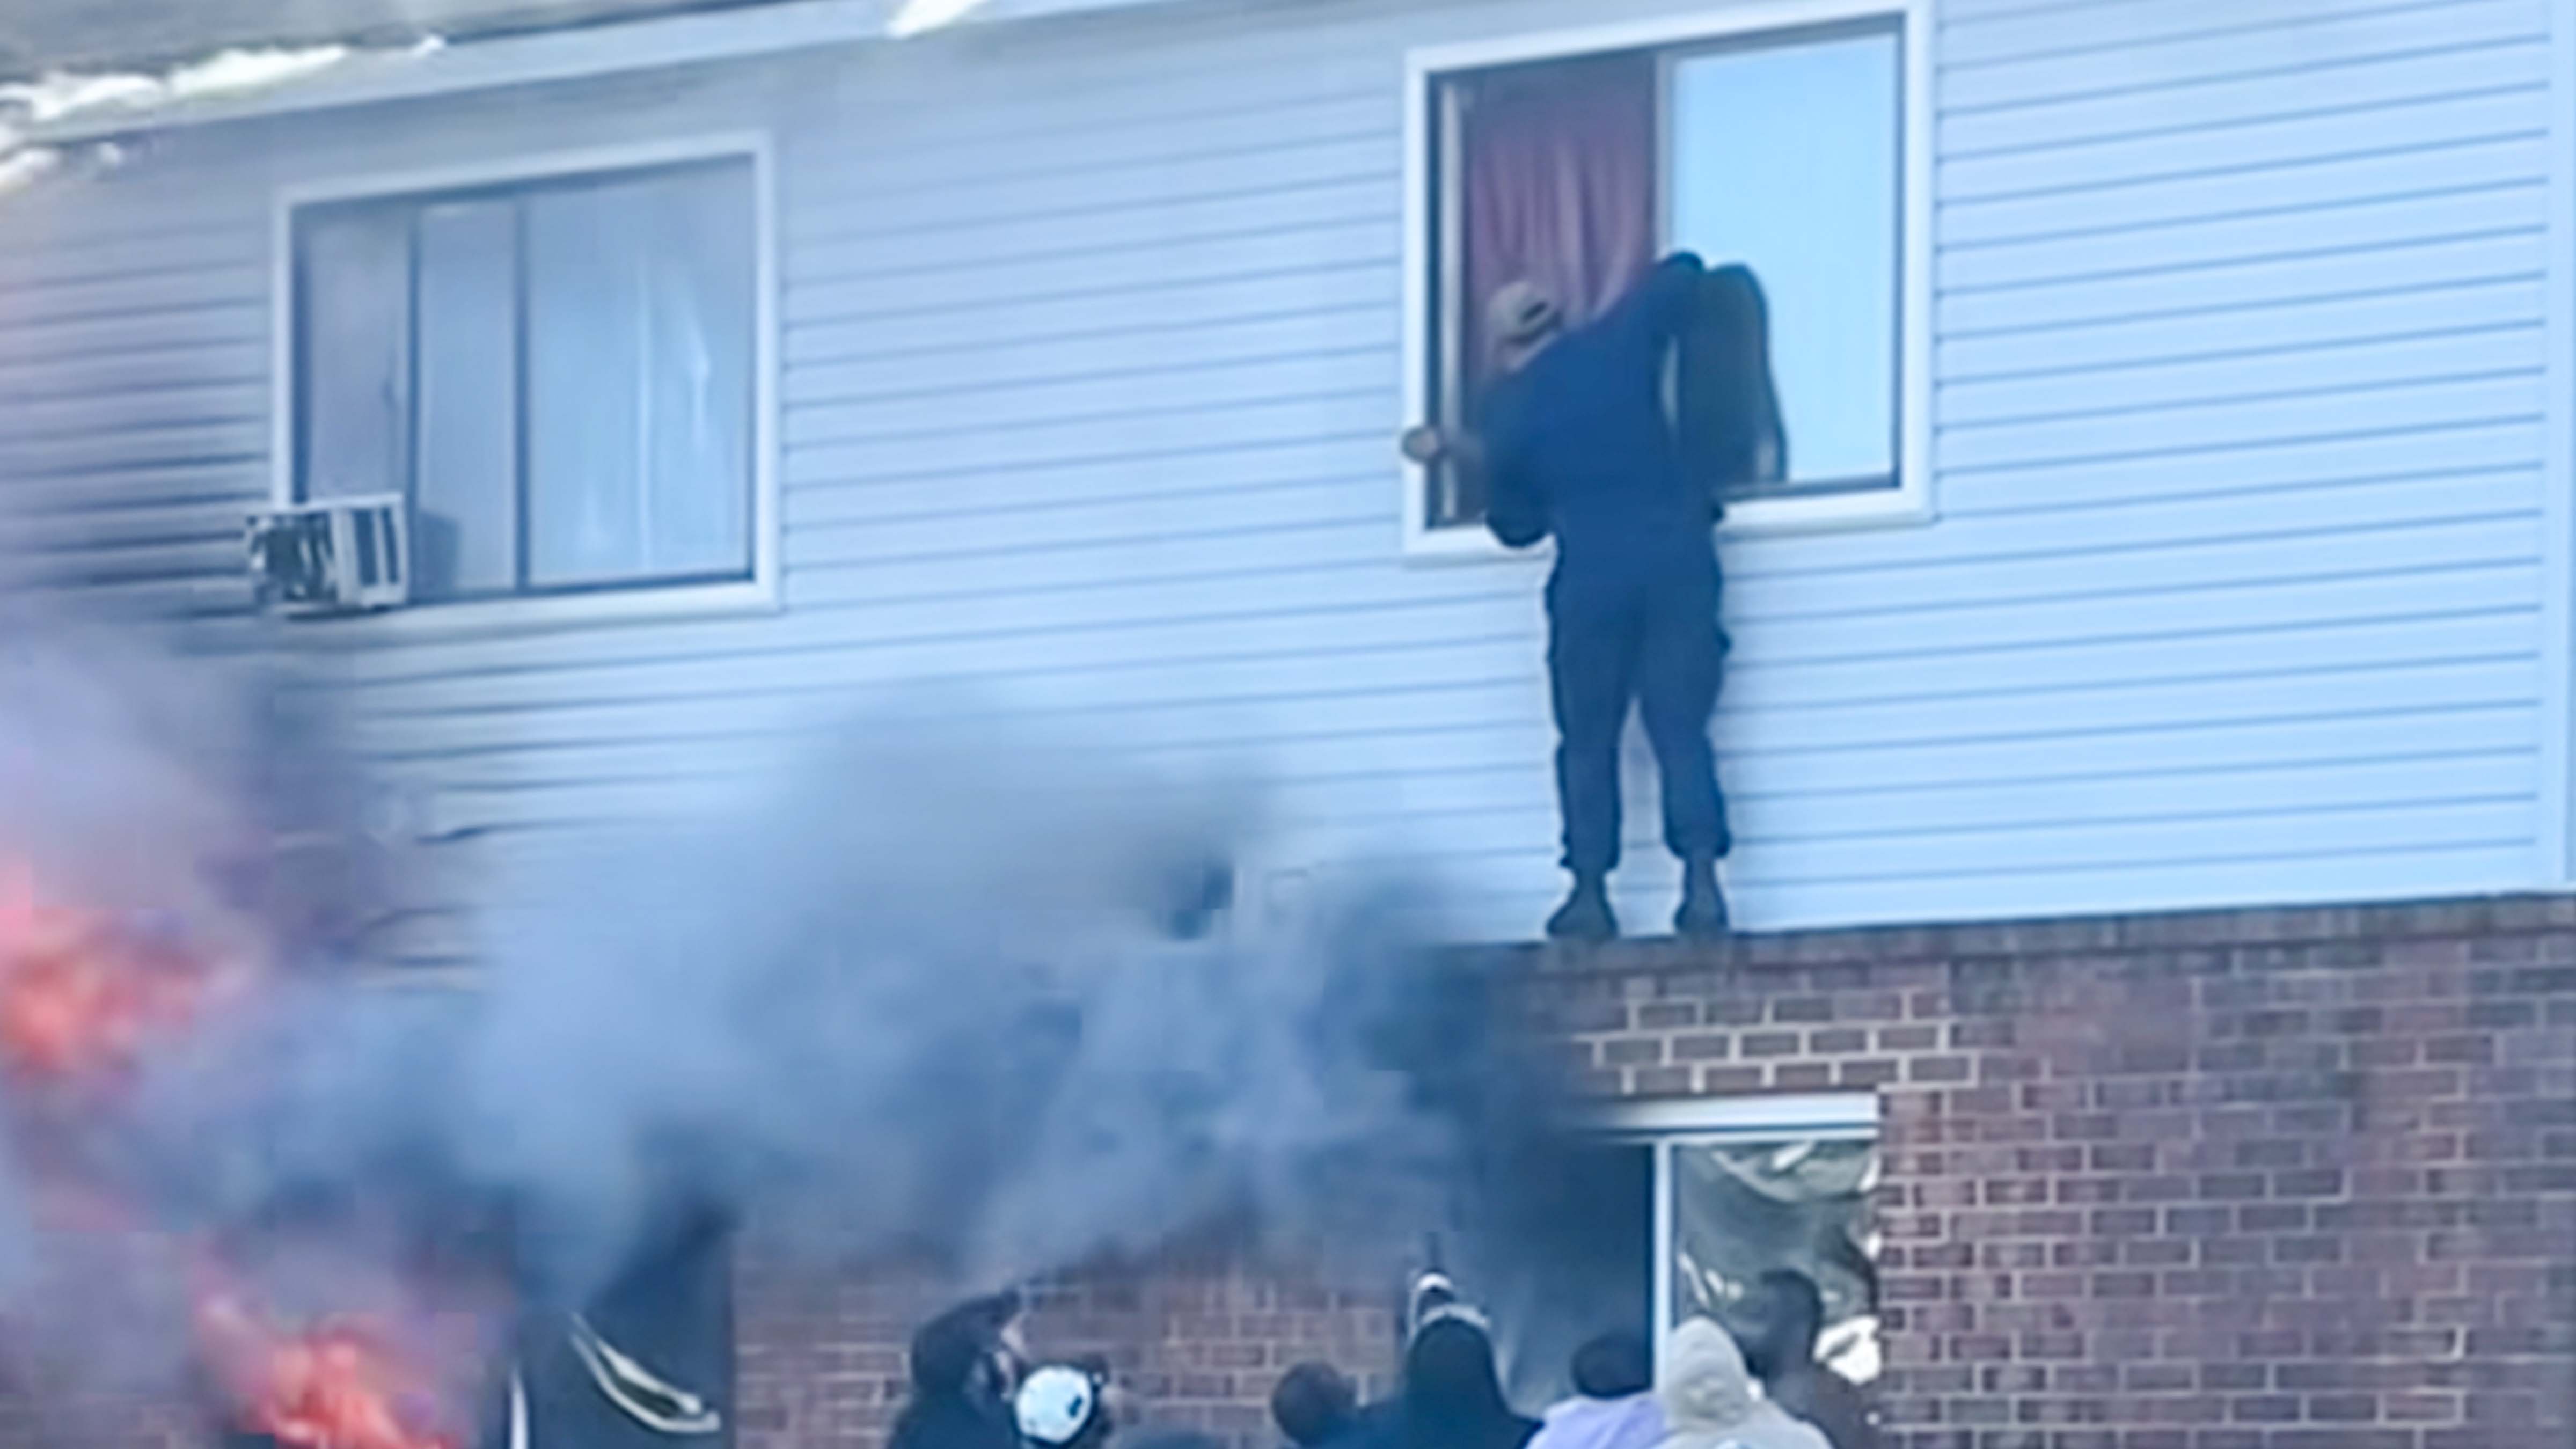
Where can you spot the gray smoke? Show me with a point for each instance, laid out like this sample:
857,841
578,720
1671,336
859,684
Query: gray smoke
931,991
926,995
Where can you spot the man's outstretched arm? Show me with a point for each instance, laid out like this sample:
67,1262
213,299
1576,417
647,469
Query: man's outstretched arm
1513,510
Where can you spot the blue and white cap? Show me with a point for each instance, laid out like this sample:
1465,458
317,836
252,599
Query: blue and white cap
1055,1404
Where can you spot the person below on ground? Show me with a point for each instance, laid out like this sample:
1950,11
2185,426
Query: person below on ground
1709,1401
1316,1406
1574,443
1779,1324
1453,1397
965,1367
1614,1405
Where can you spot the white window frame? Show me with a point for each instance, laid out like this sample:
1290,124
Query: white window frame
1910,501
1661,1126
644,601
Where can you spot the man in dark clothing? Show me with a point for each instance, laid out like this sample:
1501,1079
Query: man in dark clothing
1778,1327
1575,443
964,1369
1453,1395
1315,1405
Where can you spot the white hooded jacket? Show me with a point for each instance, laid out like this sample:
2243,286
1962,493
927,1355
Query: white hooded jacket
1633,1422
1709,1401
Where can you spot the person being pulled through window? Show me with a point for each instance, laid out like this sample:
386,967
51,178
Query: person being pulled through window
1574,442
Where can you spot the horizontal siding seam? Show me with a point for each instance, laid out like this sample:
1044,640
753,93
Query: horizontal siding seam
807,318
2259,118
1916,609
2217,309
2533,228
2343,16
2534,182
2286,533
1186,367
1961,377
2280,70
2236,399
2252,445
2246,858
1957,196
819,240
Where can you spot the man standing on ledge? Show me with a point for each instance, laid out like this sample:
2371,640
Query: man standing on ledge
1573,441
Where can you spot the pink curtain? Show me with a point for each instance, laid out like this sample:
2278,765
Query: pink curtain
1559,187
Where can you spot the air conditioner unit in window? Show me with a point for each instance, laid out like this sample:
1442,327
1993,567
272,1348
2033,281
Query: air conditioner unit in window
339,556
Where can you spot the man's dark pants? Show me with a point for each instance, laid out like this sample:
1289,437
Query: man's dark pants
1648,636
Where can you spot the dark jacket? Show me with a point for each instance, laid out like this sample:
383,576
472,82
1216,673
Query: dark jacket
951,1407
1453,1397
1578,444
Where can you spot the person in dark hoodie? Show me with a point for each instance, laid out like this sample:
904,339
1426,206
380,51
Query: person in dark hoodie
965,1366
1574,443
1778,1326
1315,1405
1453,1397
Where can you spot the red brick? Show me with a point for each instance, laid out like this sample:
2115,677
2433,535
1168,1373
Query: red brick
1802,1009
1802,1076
2264,1409
1661,1081
1876,1072
1720,1081
1632,1051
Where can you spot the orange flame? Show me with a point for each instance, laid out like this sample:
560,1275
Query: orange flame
78,995
337,1385
84,997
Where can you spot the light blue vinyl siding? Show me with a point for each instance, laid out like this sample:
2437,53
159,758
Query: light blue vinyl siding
1090,374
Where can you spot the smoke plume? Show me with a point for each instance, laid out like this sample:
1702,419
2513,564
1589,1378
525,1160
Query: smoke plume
928,991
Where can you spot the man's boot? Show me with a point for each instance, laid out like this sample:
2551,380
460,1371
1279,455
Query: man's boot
1585,916
1703,913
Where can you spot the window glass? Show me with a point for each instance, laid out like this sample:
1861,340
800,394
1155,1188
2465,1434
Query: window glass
639,304
465,501
1784,158
1739,1211
353,293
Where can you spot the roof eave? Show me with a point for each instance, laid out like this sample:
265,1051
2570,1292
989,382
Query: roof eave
373,77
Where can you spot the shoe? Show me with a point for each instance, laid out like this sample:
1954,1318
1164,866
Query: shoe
1585,916
1703,913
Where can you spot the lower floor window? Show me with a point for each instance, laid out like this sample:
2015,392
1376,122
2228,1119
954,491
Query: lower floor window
1657,1227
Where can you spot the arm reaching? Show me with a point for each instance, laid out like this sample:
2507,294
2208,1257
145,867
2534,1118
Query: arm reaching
1512,512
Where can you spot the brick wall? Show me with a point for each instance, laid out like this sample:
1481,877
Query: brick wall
2280,1179
2257,1180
